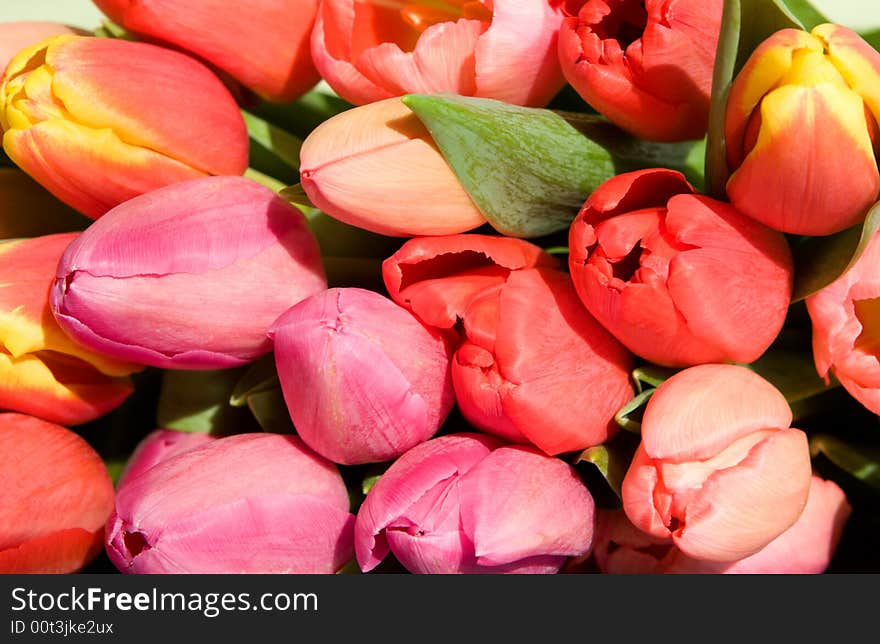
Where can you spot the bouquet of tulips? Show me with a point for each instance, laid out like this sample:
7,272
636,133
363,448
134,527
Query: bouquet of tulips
441,286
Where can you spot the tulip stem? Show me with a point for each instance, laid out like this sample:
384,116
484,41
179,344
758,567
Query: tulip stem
717,171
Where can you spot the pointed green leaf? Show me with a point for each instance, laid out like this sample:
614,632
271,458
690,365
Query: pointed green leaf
296,195
369,482
529,170
611,459
198,401
270,411
819,261
273,151
304,114
873,38
858,460
260,376
629,417
651,375
270,182
338,239
110,29
806,13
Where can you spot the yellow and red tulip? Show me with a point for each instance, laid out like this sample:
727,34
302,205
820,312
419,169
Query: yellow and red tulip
801,131
98,121
42,371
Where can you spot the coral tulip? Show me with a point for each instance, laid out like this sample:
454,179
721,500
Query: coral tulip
646,66
264,46
249,503
42,371
846,328
719,470
189,276
364,380
15,36
805,548
504,49
462,504
98,121
679,278
351,163
158,446
57,495
801,131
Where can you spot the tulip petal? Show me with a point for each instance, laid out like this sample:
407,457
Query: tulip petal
159,446
856,60
60,552
639,190
637,493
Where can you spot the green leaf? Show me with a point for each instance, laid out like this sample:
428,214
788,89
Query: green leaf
198,401
629,417
369,482
819,261
873,38
297,196
110,29
338,239
651,375
611,459
270,411
529,170
270,182
806,13
859,461
272,150
306,113
260,376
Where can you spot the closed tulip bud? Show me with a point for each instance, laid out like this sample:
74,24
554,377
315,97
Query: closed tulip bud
28,210
189,276
265,46
363,379
462,504
504,49
249,503
645,66
158,446
57,495
719,470
15,36
98,121
679,278
805,548
801,131
352,164
42,371
846,328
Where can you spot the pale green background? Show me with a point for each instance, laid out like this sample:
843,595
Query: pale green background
859,14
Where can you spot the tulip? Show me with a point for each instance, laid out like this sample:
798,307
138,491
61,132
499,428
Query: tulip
679,278
57,495
462,504
249,503
98,121
719,470
265,46
353,162
645,66
846,328
15,36
189,276
505,49
805,548
364,380
801,131
27,210
42,371
158,446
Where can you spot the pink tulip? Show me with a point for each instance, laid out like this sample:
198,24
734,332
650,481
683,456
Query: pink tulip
249,503
679,278
158,446
363,379
15,36
504,49
846,328
264,45
646,66
719,470
805,548
57,496
190,276
462,504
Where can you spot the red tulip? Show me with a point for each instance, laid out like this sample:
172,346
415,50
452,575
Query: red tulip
679,278
646,66
57,495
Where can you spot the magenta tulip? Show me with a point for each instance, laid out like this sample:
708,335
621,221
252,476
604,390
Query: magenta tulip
158,446
249,503
462,504
189,276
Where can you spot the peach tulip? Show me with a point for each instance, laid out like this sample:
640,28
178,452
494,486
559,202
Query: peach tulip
801,131
264,44
719,469
805,548
846,328
189,276
364,380
98,121
57,496
42,371
18,35
502,49
463,504
646,66
679,278
353,162
249,503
